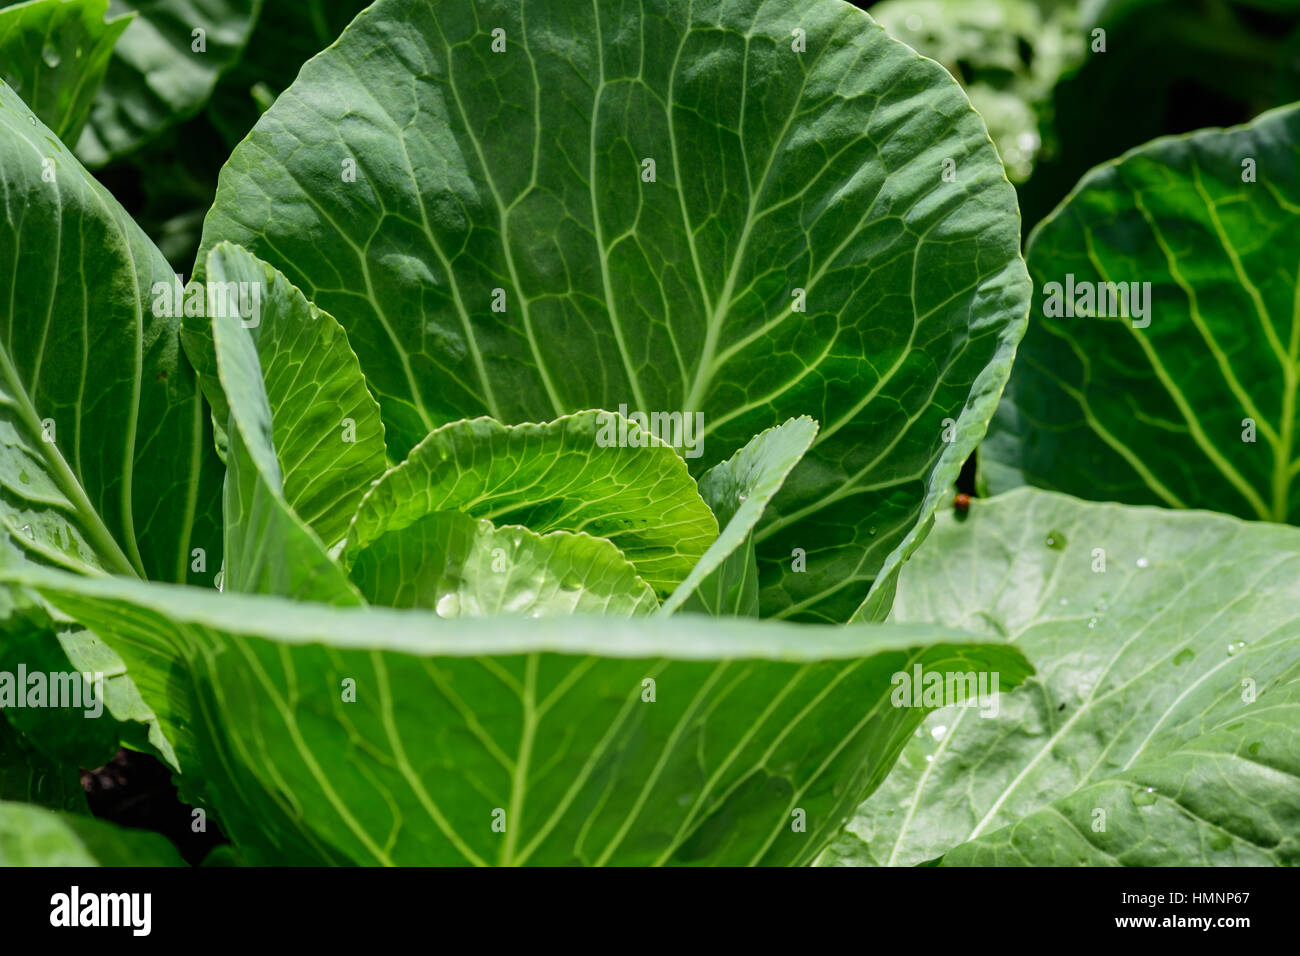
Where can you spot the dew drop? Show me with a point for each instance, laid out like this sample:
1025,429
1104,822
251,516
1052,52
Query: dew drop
27,530
1145,796
1253,749
1142,562
1064,601
448,605
1056,540
24,477
1092,622
938,731
50,56
1183,656
1233,648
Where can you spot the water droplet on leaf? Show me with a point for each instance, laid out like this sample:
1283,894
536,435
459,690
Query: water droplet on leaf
50,56
1056,540
1183,656
448,605
1144,796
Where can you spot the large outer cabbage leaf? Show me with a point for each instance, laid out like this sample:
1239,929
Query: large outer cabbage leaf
103,450
371,735
744,209
1160,728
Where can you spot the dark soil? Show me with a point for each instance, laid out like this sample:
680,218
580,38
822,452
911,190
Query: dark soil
136,790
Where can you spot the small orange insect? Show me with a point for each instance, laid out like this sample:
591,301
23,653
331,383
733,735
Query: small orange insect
961,504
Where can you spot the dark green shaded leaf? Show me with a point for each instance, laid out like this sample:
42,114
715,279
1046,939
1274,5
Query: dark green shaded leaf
29,776
163,69
1191,400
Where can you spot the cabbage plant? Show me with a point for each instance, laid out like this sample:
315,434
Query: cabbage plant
550,459
531,362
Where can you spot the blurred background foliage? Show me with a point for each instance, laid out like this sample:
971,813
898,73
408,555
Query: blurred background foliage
1063,84
1060,97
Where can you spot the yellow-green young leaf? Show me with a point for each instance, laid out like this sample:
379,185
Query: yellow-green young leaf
269,549
1160,728
592,472
34,836
53,53
372,735
103,438
326,430
745,210
738,490
1179,383
464,567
